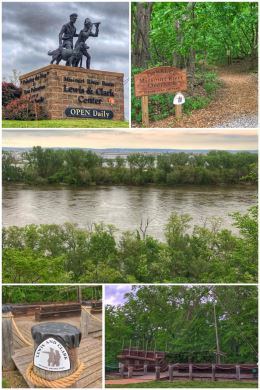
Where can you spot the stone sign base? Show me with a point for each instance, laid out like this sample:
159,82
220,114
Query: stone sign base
69,92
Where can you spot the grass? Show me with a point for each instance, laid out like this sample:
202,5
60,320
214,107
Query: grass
195,384
67,123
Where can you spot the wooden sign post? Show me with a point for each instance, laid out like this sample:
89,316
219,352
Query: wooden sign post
55,358
164,79
7,338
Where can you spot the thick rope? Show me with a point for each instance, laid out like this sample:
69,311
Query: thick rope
19,334
57,383
91,315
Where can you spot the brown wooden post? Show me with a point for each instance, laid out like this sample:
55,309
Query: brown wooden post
178,111
130,371
84,323
145,111
157,372
213,372
121,369
145,368
238,372
7,338
170,369
190,372
55,350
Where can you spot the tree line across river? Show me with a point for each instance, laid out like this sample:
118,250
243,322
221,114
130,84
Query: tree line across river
83,168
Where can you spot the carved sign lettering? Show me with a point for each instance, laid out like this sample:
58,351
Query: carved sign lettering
51,355
164,79
88,113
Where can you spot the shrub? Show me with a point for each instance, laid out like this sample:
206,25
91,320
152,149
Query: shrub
23,109
10,92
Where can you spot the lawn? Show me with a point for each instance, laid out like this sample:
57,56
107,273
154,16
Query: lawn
68,123
197,384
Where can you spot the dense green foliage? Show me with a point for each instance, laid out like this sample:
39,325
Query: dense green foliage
210,28
79,167
190,384
64,123
180,320
32,294
66,253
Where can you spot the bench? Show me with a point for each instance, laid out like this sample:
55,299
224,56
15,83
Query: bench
57,311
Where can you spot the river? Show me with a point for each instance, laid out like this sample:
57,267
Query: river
121,206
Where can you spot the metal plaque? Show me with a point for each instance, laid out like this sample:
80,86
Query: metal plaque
51,355
88,113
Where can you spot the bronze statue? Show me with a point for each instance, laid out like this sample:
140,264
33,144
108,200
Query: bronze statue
66,51
84,35
71,56
68,32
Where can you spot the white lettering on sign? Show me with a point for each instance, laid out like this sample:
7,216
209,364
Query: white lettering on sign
50,355
179,99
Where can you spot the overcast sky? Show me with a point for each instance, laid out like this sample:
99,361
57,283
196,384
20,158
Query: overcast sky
31,29
115,294
222,139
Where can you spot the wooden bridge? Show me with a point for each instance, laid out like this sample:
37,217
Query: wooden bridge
90,349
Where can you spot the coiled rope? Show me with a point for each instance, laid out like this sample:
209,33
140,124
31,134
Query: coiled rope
56,383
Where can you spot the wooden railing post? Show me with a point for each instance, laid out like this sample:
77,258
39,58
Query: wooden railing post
238,372
55,350
130,371
190,372
7,338
84,323
157,372
145,368
213,372
170,369
121,369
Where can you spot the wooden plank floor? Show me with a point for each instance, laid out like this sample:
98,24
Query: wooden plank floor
25,323
90,352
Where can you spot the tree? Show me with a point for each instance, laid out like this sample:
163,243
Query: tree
141,14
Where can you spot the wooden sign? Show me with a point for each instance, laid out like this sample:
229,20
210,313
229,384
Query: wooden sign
164,79
51,355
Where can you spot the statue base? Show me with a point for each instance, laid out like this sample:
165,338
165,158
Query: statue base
69,92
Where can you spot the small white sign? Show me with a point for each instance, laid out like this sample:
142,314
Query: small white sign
50,355
178,99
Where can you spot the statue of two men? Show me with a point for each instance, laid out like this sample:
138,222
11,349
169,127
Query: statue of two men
66,47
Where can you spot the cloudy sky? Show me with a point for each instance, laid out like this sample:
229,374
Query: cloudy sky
31,29
222,139
115,294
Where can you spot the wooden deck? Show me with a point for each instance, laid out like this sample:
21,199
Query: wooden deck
25,323
90,352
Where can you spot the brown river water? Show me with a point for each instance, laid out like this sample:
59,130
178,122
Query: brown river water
122,206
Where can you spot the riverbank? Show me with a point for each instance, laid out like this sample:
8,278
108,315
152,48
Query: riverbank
40,253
